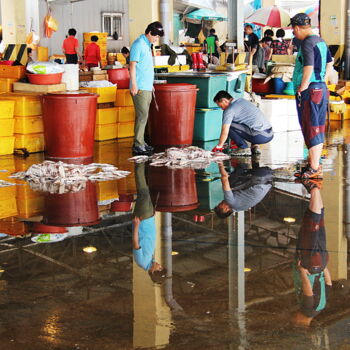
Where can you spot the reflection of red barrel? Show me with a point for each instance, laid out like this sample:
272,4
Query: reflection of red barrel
69,125
119,76
123,204
172,123
173,190
72,209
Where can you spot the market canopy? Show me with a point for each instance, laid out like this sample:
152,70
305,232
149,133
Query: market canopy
204,14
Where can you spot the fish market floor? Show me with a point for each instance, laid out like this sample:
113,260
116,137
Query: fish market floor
231,283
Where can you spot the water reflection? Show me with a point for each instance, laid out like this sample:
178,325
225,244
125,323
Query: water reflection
311,276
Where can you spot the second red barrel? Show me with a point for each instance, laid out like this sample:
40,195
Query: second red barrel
172,114
69,125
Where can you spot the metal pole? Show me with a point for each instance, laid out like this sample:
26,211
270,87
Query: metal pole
164,18
347,42
235,24
346,219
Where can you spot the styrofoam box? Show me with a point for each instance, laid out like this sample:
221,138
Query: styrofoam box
163,60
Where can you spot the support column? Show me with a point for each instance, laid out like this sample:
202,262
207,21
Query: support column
346,151
164,19
235,25
347,41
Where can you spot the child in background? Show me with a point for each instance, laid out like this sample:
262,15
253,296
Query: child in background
126,53
92,54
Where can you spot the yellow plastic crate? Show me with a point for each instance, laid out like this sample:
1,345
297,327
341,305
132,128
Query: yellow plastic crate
7,163
126,114
12,72
106,115
29,125
106,152
31,142
29,207
6,145
24,191
107,94
125,129
121,58
23,164
25,104
43,53
107,190
123,98
6,127
6,84
127,185
105,132
8,207
7,192
7,108
101,36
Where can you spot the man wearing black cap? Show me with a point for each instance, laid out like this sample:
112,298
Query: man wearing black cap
141,82
312,67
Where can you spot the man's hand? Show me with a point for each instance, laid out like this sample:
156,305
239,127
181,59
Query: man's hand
217,149
302,88
136,220
134,90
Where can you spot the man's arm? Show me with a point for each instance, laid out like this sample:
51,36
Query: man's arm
224,178
135,233
224,134
328,71
307,72
327,277
134,88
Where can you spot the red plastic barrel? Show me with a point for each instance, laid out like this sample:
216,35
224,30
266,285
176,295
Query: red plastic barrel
72,209
119,76
173,122
173,190
69,125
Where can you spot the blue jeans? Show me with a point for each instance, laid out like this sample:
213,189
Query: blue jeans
241,133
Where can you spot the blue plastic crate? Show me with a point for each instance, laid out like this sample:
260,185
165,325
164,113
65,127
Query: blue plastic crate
208,85
207,124
210,193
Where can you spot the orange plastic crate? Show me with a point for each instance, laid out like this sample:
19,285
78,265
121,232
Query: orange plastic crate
12,72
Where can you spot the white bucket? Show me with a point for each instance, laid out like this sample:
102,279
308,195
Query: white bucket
71,76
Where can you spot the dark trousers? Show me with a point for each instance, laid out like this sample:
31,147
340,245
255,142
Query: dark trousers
71,59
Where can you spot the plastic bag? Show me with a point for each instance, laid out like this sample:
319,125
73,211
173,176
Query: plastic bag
51,25
44,67
96,83
32,40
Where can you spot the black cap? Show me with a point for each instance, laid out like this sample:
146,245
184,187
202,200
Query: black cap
300,19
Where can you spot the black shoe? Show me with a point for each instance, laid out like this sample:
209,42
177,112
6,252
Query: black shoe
140,151
149,148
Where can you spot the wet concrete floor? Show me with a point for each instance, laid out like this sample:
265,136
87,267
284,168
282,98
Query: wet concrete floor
234,283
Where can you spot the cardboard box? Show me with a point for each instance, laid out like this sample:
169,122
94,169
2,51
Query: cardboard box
39,88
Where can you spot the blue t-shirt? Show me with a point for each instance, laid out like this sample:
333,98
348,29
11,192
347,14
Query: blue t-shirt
313,52
147,242
244,112
141,53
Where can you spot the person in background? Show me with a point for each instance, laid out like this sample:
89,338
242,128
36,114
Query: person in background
280,46
126,53
268,33
212,60
312,279
295,45
30,55
92,54
144,227
266,45
312,67
254,48
141,83
242,121
70,48
212,44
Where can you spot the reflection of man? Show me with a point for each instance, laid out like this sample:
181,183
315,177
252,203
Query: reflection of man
144,227
312,279
243,189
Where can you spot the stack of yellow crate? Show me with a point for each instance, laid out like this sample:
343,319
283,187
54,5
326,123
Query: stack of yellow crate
8,205
9,75
102,43
28,124
29,203
126,114
7,122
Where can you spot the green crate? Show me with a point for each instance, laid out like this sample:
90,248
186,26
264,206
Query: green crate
236,87
207,124
208,87
210,193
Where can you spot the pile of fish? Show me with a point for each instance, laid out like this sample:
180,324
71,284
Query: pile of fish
59,177
193,157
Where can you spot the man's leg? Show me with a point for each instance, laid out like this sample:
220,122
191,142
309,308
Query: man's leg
244,133
142,103
236,135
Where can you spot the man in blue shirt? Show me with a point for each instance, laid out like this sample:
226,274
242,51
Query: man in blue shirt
141,82
242,121
144,227
312,67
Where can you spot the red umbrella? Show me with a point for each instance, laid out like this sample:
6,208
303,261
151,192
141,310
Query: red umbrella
272,16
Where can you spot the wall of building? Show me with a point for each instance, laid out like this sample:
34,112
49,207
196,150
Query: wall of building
84,16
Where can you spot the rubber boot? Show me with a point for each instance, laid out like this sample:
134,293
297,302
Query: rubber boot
194,61
200,64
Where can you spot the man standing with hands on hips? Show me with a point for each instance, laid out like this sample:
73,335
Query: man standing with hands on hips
141,83
312,67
